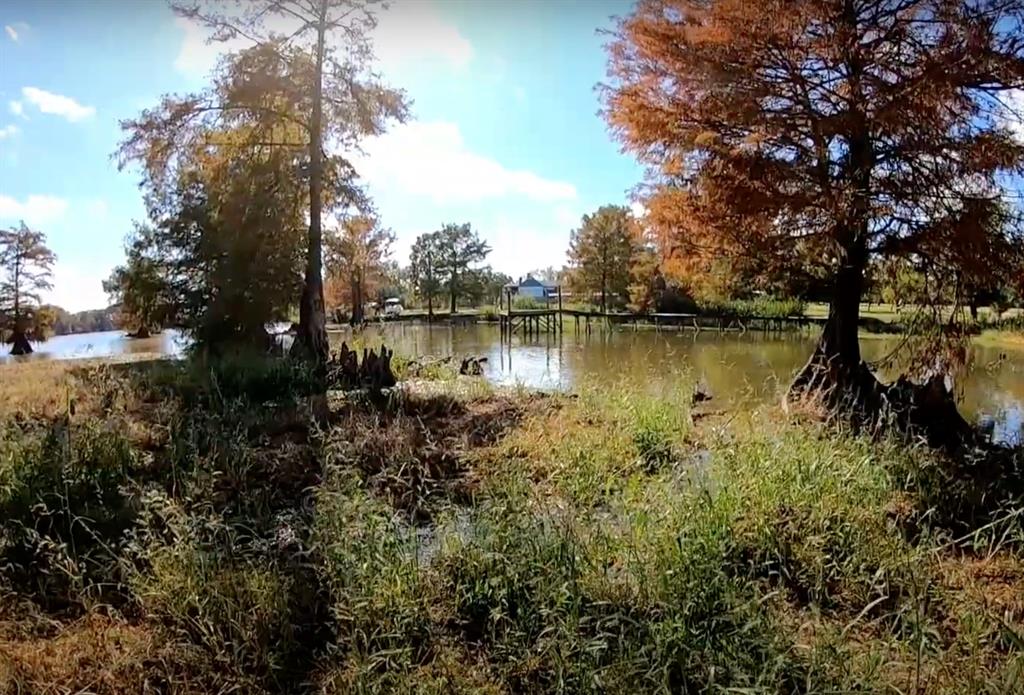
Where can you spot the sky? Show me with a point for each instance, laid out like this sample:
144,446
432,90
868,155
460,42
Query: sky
505,132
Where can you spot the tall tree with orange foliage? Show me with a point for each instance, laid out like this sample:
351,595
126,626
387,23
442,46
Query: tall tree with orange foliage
357,253
841,129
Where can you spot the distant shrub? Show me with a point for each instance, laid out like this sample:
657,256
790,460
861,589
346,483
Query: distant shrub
675,300
489,313
759,307
524,303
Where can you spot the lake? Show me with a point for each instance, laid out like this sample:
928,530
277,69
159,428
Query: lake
739,370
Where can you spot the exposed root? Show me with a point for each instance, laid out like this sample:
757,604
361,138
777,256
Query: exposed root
855,395
346,371
20,344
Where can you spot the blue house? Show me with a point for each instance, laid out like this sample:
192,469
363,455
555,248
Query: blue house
532,287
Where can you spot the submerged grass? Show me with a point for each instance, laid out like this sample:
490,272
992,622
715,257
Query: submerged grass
187,528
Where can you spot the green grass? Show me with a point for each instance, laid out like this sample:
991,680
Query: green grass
189,525
760,307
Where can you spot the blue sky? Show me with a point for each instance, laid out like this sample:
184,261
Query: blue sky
505,132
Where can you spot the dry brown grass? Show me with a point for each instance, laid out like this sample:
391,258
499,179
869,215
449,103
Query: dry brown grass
46,388
95,654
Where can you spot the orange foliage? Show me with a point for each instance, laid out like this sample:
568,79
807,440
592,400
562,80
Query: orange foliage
824,133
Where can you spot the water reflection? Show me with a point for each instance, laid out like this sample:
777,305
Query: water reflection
104,344
736,369
739,370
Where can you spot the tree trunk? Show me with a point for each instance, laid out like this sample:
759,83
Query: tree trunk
835,367
358,311
430,308
20,344
604,282
836,378
452,308
311,340
141,332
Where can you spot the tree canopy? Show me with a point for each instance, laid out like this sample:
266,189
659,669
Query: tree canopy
601,254
843,130
447,261
26,270
423,268
357,254
140,289
461,249
299,92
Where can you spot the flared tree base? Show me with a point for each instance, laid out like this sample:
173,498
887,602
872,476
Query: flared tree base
20,345
852,393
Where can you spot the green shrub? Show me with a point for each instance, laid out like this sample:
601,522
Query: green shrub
214,587
527,303
64,509
489,313
379,601
759,307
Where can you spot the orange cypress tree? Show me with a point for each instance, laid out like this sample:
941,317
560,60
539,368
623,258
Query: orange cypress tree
845,130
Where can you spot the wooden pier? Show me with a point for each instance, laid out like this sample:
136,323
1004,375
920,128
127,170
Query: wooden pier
532,322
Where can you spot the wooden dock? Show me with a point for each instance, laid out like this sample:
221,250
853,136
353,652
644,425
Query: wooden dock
532,322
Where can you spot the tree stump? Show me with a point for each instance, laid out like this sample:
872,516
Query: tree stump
472,366
348,373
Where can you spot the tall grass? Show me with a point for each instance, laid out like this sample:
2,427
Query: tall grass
481,541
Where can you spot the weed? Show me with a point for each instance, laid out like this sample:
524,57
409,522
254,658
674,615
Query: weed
186,528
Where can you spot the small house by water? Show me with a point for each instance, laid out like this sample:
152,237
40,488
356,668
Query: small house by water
532,287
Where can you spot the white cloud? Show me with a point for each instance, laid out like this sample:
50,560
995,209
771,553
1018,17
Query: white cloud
430,159
412,30
36,209
77,288
567,217
638,209
97,207
197,55
11,31
407,32
57,104
8,131
17,108
517,249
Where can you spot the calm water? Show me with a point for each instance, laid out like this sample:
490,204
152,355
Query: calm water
739,370
105,344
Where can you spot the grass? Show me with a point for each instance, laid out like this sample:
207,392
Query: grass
188,529
760,307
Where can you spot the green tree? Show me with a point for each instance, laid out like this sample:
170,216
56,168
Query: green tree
396,281
423,269
229,239
491,285
26,264
139,288
357,254
306,87
459,249
601,253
